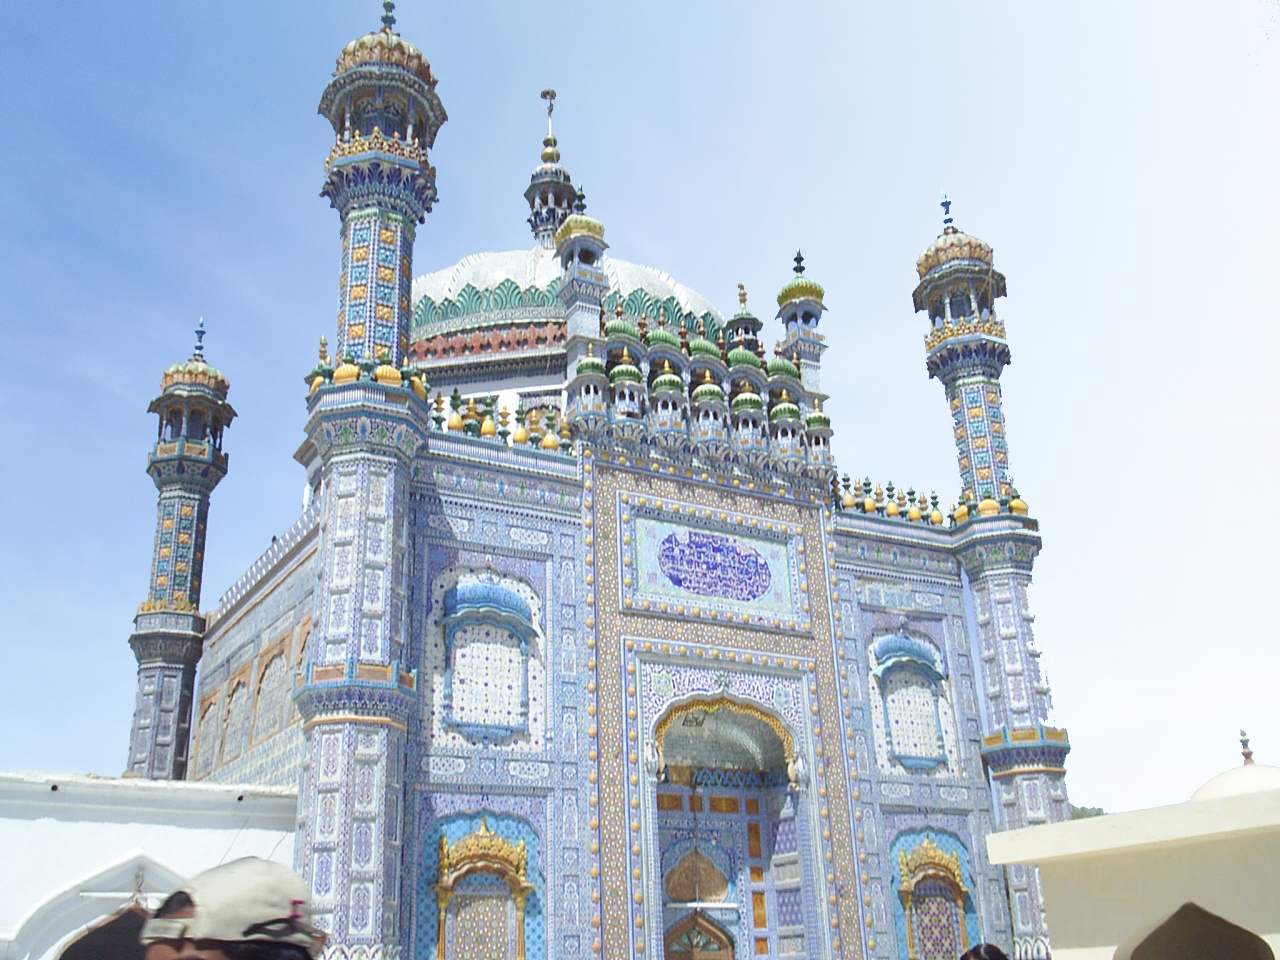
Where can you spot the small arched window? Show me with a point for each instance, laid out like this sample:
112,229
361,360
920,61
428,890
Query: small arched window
959,303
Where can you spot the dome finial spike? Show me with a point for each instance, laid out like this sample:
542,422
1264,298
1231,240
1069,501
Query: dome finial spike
1244,748
389,15
580,201
742,296
324,350
200,338
549,95
946,210
798,269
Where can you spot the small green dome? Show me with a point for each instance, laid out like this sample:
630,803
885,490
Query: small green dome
702,347
782,367
740,356
624,370
818,420
620,326
664,335
668,381
784,409
748,399
707,390
590,364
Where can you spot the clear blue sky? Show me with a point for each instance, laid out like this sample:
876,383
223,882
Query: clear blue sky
162,161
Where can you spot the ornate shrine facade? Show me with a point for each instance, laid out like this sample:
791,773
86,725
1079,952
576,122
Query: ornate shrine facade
581,646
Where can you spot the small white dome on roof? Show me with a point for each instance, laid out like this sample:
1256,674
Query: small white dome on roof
1249,778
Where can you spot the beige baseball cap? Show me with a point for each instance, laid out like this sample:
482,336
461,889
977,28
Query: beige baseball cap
248,899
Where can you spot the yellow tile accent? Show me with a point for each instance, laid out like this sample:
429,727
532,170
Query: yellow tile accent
187,511
360,253
386,236
757,874
757,909
753,805
753,840
670,801
386,274
383,312
724,805
762,946
355,331
359,291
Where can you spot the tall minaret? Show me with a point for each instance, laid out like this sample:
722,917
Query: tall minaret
186,463
385,113
367,420
997,544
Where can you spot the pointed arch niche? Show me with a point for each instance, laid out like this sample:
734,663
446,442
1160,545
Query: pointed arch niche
933,898
728,800
481,923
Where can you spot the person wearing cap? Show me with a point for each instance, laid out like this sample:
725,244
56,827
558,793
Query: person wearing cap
249,909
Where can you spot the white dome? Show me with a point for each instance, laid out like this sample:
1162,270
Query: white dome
1249,778
532,274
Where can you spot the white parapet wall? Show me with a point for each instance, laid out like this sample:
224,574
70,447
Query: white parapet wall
79,849
1110,881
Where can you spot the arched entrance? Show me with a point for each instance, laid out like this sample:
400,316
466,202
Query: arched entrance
727,808
116,938
1193,933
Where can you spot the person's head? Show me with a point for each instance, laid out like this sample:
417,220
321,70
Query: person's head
984,951
248,909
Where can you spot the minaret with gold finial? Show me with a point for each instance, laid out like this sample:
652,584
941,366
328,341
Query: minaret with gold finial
1024,755
366,426
186,464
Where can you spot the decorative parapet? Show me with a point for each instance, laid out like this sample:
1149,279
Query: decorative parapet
392,147
959,328
859,496
1023,750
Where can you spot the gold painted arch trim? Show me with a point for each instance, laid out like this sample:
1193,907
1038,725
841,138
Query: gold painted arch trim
723,702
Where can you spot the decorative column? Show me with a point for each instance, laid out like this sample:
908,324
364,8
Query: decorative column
997,544
579,245
368,421
800,309
186,463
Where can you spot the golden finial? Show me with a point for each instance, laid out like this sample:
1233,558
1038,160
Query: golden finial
591,351
439,402
324,350
706,377
662,316
742,296
785,398
618,312
666,366
564,428
626,356
504,416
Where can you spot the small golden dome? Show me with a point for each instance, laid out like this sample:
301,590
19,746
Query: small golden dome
487,429
315,385
868,505
419,388
848,501
913,513
388,375
346,373
520,434
961,514
892,509
550,441
988,507
936,517
1018,506
455,420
